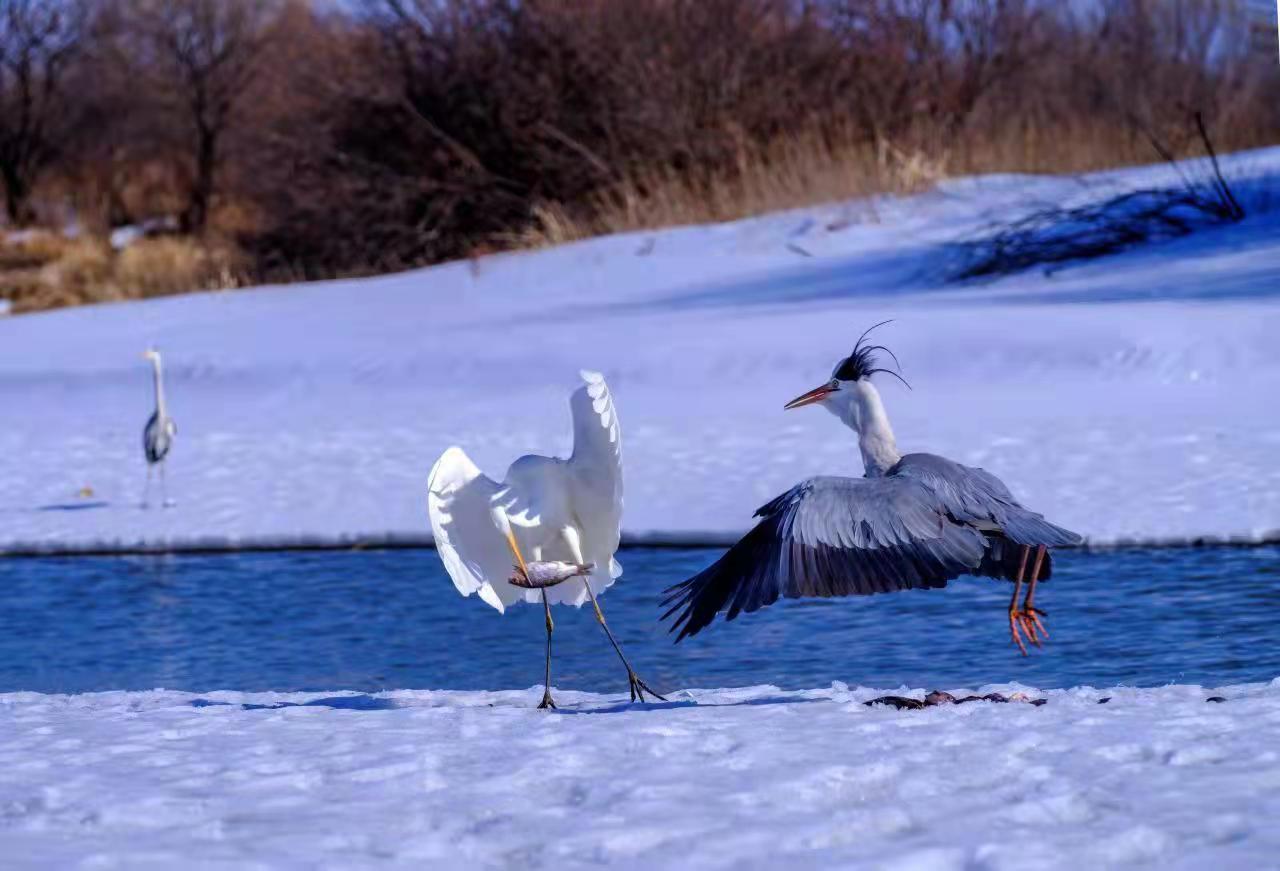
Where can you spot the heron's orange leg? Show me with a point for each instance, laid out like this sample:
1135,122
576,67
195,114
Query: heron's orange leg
1015,618
1030,613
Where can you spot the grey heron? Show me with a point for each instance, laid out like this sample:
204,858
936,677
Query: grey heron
565,512
913,521
158,434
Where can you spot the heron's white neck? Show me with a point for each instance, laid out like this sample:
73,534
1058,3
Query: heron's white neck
862,411
161,410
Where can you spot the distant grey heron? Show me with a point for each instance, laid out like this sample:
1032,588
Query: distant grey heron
565,513
913,521
158,434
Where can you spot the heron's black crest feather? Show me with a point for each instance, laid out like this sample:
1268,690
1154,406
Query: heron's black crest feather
862,362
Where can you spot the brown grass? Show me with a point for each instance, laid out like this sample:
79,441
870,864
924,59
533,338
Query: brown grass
51,271
168,265
806,169
795,171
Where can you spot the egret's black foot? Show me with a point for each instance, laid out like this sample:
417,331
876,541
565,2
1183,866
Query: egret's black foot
639,688
547,701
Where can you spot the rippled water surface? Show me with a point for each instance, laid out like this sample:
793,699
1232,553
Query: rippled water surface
391,619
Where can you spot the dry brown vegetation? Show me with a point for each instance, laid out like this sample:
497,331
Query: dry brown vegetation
282,139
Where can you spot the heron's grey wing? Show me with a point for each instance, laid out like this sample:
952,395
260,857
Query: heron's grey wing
595,476
831,537
156,439
979,498
475,554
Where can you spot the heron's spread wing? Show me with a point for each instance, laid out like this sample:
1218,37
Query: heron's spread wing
832,537
979,498
459,500
595,474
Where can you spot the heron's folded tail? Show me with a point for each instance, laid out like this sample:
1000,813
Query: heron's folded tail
1026,527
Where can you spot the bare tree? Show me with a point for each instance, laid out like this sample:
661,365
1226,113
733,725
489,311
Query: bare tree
39,41
200,58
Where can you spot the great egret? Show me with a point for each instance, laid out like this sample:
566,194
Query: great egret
158,434
553,509
912,521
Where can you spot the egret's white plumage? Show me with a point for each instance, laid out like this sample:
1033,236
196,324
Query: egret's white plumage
569,510
557,511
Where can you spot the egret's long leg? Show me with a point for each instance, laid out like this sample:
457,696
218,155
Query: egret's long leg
547,701
146,492
164,487
637,685
1031,614
1014,619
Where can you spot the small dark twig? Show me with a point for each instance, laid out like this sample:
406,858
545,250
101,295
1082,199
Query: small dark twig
1224,190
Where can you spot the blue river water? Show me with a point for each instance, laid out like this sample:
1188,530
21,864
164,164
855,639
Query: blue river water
374,620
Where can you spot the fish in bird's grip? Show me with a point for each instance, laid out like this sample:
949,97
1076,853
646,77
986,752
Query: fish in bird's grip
548,573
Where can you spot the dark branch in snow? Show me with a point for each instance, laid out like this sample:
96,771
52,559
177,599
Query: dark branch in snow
1057,234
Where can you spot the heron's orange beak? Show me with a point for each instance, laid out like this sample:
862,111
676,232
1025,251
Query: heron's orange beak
817,394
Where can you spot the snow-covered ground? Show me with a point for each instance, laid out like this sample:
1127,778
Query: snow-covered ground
742,779
1132,398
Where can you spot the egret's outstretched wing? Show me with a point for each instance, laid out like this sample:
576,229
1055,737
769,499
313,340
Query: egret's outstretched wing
832,537
595,476
460,499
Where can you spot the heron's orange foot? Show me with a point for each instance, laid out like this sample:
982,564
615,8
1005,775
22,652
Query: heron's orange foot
1025,623
1031,620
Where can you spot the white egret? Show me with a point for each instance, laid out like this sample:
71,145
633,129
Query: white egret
555,510
158,434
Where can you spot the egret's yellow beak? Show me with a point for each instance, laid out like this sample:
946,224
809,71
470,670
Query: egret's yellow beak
515,549
817,394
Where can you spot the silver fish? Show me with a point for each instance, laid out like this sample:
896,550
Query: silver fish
548,573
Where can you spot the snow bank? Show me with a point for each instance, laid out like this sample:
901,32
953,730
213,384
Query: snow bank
1131,398
747,778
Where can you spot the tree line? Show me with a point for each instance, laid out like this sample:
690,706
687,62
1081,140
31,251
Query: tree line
334,138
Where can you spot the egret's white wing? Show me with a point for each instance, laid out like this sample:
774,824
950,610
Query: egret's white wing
459,500
595,478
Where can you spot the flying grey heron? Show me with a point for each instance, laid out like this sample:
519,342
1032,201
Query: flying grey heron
565,513
158,434
913,521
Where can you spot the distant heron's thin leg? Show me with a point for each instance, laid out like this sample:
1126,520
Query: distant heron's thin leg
146,493
164,487
638,686
1031,614
1013,602
547,701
